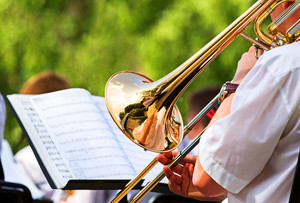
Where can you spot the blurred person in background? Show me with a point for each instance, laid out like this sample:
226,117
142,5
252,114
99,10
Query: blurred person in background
2,124
46,82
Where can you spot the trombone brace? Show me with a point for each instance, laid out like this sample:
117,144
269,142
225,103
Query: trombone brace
227,89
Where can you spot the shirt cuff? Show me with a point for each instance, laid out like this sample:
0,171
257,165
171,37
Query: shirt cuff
215,169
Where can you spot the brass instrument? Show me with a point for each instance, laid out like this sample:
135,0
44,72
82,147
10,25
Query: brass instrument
145,110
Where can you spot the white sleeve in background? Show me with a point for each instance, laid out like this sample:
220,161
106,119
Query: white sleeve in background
2,119
28,164
14,174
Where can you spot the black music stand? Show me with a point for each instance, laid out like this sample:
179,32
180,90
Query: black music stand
14,192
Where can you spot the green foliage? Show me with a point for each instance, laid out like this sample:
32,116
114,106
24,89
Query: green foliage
89,40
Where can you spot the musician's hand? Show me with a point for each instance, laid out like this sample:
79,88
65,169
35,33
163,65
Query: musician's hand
245,64
180,177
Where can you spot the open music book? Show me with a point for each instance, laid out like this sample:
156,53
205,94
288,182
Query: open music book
76,142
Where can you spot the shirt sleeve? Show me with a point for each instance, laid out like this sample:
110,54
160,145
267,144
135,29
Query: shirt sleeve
236,148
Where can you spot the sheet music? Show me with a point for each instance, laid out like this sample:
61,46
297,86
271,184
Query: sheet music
40,137
80,131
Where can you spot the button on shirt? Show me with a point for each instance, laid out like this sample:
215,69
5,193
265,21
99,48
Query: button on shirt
253,151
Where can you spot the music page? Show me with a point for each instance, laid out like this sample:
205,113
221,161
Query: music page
41,140
82,135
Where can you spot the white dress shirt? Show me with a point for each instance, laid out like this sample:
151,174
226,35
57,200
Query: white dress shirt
253,152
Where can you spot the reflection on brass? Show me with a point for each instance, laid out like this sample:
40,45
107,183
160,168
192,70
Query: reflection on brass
143,111
137,114
148,126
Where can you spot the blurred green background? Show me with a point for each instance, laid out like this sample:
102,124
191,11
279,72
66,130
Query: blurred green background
89,40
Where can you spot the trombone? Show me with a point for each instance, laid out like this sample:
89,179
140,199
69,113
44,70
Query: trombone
145,110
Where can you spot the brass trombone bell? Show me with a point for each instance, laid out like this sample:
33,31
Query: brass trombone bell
143,112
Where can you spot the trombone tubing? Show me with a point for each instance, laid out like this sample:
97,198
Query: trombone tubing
130,185
176,160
